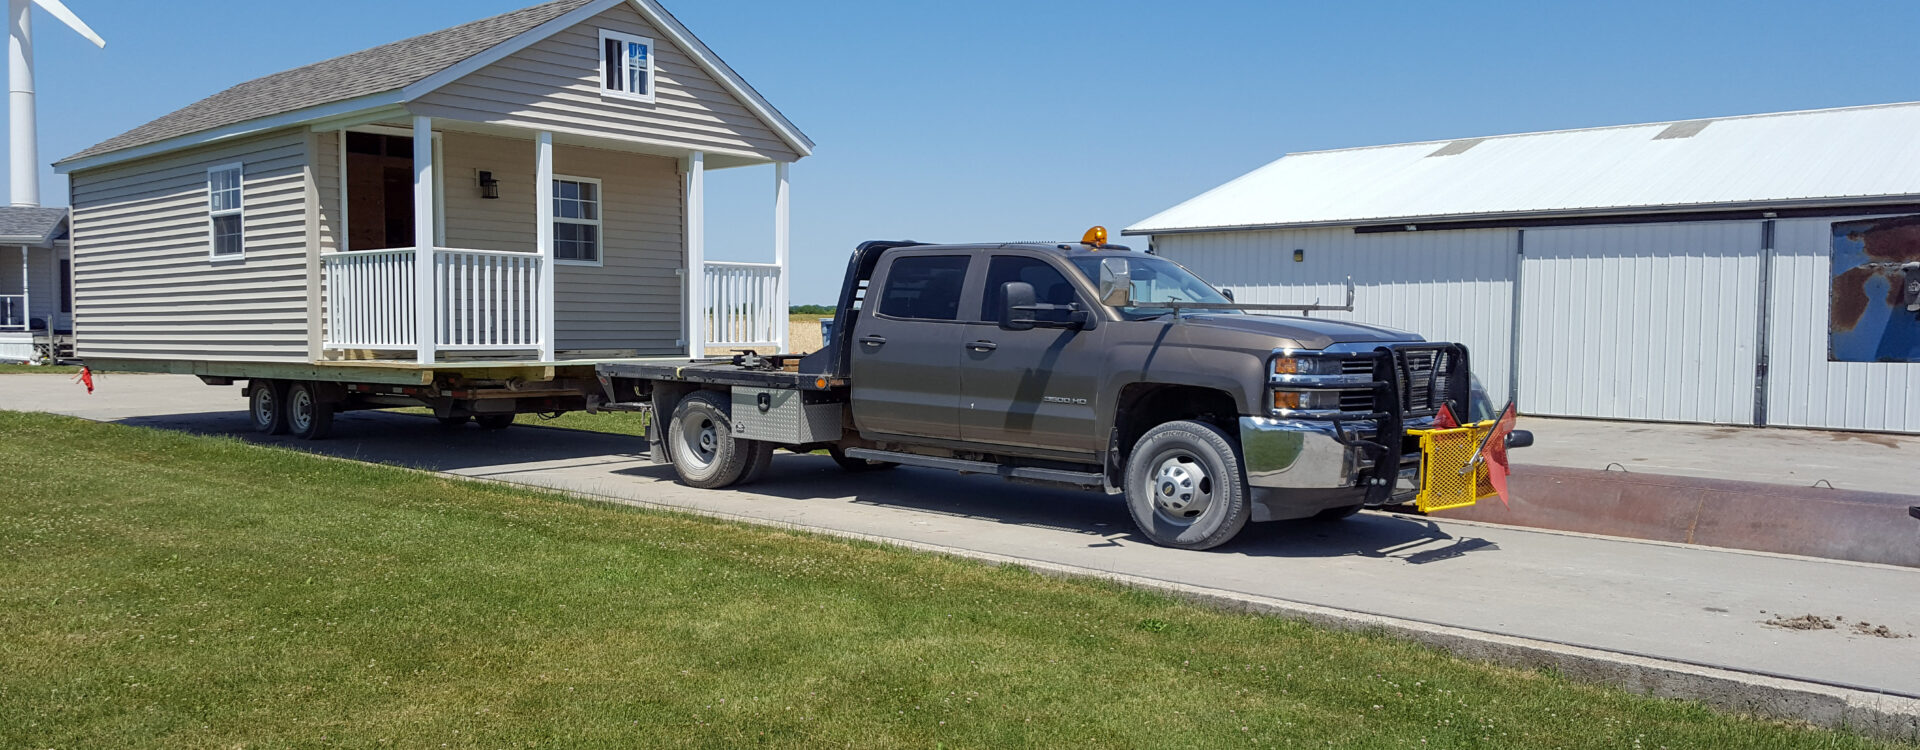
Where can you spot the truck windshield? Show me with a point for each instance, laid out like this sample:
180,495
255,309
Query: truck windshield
1156,280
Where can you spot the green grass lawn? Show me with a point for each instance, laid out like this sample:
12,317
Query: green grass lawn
614,422
164,589
37,370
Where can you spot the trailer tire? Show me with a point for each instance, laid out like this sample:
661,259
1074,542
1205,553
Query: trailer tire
494,421
267,406
1185,486
309,417
700,440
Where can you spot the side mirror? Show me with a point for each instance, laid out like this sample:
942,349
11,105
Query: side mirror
1019,299
1228,293
1116,282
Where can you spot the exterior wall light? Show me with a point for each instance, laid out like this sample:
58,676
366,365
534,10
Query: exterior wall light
489,187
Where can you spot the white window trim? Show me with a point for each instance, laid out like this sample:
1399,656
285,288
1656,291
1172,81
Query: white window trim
212,243
600,229
652,65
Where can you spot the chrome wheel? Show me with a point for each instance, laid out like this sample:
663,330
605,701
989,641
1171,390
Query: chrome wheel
1180,488
699,441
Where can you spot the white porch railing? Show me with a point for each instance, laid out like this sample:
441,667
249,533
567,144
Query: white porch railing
489,300
13,312
483,300
743,306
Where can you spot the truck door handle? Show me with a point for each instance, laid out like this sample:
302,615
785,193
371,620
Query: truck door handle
983,346
873,340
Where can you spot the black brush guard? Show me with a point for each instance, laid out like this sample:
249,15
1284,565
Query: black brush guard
1402,392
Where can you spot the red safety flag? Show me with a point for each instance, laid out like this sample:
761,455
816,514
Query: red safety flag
1496,452
1446,420
86,376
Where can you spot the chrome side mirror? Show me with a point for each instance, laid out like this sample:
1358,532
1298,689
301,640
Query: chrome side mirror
1116,282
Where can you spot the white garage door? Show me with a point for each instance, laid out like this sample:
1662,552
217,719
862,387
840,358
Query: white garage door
1653,321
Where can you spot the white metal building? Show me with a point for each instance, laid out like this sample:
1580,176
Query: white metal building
1681,271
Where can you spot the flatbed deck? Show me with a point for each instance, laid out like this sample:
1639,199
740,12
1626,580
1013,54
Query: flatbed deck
718,372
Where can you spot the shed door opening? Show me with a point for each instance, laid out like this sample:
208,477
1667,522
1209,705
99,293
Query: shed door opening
379,191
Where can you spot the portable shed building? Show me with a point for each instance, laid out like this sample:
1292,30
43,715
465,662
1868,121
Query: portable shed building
1755,270
527,187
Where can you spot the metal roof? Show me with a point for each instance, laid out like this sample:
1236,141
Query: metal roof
388,67
34,226
1836,156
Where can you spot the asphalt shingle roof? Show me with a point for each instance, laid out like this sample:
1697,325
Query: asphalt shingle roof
21,225
388,67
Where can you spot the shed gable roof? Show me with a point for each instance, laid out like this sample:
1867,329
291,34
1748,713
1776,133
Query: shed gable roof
1853,155
35,226
427,60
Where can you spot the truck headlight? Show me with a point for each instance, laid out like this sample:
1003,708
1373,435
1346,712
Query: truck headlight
1306,400
1305,366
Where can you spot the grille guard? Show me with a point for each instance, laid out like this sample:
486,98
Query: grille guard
1394,379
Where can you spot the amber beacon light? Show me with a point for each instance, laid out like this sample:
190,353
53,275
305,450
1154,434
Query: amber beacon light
1096,237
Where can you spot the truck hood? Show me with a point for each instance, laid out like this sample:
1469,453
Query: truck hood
1299,332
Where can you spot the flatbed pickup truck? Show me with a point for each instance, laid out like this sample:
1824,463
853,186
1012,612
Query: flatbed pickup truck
1087,365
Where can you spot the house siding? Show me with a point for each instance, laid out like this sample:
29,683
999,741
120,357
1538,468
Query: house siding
144,286
630,303
554,85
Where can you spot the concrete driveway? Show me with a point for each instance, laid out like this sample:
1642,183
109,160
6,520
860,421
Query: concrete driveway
1689,604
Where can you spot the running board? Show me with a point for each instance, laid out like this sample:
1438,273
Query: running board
1029,473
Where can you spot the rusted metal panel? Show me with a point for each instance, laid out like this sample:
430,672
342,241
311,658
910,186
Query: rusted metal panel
1875,311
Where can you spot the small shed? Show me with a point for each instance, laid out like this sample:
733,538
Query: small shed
1754,270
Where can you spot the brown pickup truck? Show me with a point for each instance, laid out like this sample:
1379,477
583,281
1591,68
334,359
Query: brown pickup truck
1081,364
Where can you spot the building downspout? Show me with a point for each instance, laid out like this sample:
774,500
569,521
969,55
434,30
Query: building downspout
1513,344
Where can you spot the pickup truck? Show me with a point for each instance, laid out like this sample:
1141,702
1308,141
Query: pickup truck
1081,364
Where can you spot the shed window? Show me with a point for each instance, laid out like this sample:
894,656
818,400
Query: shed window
226,220
576,220
626,66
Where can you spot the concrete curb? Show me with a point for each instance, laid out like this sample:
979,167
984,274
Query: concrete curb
1872,714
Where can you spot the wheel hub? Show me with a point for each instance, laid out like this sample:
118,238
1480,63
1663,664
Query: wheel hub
1181,489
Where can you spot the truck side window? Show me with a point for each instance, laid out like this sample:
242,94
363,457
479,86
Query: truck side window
925,287
1050,287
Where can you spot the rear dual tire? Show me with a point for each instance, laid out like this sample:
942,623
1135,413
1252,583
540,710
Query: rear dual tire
704,451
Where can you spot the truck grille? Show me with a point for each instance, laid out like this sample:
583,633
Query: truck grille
1426,377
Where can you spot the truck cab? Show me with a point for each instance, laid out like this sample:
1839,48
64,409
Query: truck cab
1089,364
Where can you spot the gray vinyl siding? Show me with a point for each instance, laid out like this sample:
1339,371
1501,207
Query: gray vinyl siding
554,85
631,303
144,286
42,277
326,178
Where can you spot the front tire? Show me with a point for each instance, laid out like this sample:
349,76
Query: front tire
700,440
308,417
267,406
1185,486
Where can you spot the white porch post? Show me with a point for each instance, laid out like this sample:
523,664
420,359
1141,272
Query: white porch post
697,255
783,285
26,295
543,198
424,304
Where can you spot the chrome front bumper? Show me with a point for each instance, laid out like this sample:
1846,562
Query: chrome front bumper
1297,454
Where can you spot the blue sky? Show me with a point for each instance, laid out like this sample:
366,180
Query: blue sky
1001,120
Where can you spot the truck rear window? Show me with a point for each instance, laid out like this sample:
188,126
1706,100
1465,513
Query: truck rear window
925,287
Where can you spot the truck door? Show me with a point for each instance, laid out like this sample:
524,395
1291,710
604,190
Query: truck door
906,350
1033,388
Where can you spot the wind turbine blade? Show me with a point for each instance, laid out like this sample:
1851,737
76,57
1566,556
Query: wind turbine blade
72,21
